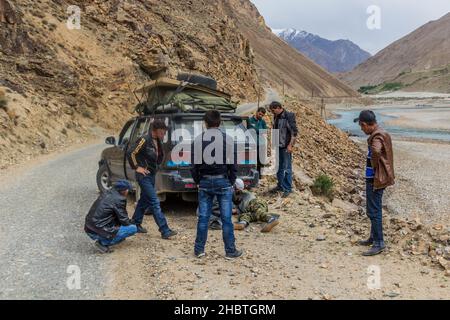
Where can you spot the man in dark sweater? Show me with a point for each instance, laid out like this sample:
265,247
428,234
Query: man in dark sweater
214,171
107,221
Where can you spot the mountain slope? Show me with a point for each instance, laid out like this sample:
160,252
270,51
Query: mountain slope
334,56
418,62
62,84
276,61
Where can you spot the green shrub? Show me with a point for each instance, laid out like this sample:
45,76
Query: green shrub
392,86
366,89
323,186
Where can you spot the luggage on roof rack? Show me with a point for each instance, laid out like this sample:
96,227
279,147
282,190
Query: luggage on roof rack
168,95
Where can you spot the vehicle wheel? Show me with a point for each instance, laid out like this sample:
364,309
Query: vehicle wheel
198,79
103,178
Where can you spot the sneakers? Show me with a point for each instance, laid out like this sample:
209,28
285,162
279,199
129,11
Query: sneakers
169,235
215,225
234,255
241,225
286,194
374,251
101,248
275,190
273,222
141,229
200,255
365,243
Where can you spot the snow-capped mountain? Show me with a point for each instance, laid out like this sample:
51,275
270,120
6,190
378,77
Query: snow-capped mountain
335,56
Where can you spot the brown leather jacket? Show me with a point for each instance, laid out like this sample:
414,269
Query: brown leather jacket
382,158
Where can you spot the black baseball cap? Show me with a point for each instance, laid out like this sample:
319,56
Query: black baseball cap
367,116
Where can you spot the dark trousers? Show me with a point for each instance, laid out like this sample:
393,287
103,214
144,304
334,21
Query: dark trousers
149,201
374,207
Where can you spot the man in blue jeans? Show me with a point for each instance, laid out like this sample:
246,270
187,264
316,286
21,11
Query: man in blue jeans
145,157
107,221
379,176
214,171
286,125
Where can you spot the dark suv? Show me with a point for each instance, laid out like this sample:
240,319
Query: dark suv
181,104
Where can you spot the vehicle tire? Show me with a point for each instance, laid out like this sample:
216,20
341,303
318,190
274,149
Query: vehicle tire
103,178
198,79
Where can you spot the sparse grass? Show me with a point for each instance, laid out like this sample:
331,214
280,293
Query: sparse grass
323,186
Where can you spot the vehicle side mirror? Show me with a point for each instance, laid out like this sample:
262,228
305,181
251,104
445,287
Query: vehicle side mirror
111,141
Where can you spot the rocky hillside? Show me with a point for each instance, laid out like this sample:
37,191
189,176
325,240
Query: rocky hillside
62,85
419,61
334,56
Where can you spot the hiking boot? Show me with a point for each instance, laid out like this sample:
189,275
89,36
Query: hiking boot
365,243
241,225
234,255
169,235
374,251
273,222
141,229
101,248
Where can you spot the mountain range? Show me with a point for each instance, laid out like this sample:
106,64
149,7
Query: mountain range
335,56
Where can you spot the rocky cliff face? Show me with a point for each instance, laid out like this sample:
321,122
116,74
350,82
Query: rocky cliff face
63,84
333,56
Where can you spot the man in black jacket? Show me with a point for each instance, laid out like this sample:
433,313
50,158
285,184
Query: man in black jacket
107,221
145,157
286,125
214,171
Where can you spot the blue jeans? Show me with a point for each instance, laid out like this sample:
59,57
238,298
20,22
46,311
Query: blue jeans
374,207
284,174
208,189
124,232
149,200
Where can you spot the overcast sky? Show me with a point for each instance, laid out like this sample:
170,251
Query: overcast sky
347,19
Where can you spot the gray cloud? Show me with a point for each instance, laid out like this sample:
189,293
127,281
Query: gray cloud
346,19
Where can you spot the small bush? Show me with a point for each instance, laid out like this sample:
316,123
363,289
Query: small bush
323,186
392,86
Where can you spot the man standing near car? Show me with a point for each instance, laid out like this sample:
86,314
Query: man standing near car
379,176
258,124
214,171
286,125
145,157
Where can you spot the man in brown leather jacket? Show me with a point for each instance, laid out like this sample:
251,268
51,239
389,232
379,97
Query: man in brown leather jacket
379,176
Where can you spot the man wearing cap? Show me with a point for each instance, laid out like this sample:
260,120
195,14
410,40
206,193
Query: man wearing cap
379,176
145,157
286,125
107,221
251,209
259,125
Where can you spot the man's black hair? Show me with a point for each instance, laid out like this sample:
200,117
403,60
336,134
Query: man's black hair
275,105
262,110
159,124
212,118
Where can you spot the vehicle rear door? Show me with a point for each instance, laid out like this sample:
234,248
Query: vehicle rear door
117,155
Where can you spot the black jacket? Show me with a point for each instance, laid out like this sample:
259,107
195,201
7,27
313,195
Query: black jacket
227,165
143,154
107,214
287,125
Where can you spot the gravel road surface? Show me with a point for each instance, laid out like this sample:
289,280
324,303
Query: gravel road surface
41,233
